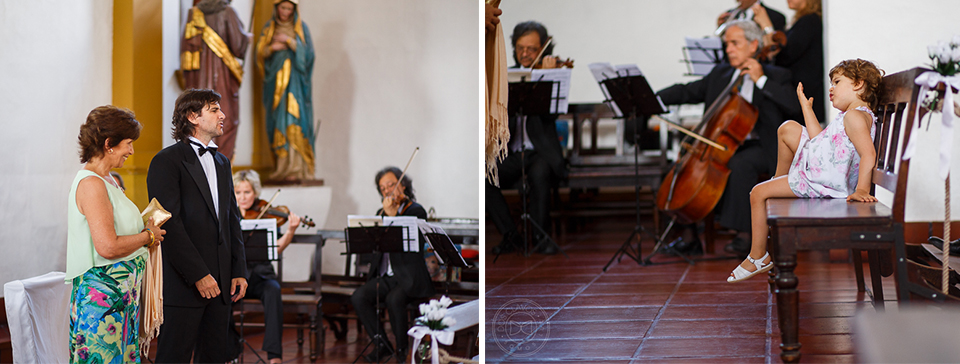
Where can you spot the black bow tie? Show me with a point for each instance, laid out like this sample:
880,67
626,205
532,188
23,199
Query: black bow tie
203,149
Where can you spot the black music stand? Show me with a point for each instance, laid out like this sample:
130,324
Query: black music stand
375,240
260,246
529,98
633,96
447,253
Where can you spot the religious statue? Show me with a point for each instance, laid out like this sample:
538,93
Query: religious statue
213,46
285,58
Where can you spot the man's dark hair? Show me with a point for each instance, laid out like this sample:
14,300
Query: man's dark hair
406,182
527,27
191,101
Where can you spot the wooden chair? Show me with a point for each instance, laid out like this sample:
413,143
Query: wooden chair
823,224
303,299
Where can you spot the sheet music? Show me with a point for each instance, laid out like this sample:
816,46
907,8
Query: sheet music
561,86
364,220
518,75
270,225
411,238
703,54
603,70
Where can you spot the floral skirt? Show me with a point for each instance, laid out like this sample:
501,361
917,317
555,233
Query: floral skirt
105,313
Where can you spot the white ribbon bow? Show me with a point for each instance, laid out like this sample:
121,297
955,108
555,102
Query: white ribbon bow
444,336
927,81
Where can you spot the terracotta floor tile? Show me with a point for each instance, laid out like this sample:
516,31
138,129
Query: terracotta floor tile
606,313
709,328
587,350
696,347
724,298
820,344
524,279
596,330
703,360
823,326
715,311
544,302
619,300
553,289
629,288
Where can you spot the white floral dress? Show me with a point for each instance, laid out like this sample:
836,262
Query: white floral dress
827,165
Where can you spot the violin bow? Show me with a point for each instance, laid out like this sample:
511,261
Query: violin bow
542,50
690,133
399,179
269,203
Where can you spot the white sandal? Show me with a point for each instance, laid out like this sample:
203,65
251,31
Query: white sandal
741,273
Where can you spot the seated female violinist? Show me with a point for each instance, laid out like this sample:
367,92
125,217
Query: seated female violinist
263,283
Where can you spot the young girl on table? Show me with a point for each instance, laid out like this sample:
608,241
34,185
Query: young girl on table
836,162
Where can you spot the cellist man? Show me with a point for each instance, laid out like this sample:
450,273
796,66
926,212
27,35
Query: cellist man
768,88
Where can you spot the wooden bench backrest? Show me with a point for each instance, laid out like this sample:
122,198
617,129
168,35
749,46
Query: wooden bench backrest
896,113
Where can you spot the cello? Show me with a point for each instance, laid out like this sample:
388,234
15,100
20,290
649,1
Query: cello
692,188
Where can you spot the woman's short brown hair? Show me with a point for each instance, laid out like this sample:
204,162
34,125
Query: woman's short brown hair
106,124
862,70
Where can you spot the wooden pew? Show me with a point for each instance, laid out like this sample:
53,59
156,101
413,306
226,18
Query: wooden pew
823,224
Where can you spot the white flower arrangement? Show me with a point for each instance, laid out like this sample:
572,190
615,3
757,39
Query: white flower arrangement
433,321
433,314
945,56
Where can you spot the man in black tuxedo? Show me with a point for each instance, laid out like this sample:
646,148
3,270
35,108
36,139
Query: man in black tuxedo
768,88
402,278
203,257
543,156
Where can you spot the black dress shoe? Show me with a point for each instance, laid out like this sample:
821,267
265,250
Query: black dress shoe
510,243
384,351
685,247
545,246
739,246
954,245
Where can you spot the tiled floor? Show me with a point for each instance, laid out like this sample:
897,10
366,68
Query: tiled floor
554,309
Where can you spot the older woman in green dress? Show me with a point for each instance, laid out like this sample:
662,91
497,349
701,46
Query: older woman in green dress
285,59
106,244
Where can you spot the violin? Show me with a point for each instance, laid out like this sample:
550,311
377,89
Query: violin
568,63
280,213
769,50
538,62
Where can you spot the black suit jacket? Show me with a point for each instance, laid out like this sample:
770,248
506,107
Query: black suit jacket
803,56
198,242
409,268
776,102
542,131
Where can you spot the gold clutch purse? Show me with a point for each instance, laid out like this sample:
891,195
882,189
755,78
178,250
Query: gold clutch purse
156,211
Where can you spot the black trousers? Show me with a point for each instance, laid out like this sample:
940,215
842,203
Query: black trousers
364,301
202,333
746,166
540,178
268,292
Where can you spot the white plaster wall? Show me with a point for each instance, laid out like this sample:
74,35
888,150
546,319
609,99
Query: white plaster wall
49,82
897,40
389,77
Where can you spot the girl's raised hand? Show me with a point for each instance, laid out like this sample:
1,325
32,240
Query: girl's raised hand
804,101
860,196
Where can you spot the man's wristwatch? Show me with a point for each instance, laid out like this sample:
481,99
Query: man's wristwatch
767,30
